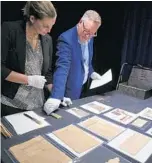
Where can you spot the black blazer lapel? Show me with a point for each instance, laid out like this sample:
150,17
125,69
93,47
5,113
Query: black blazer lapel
45,49
21,47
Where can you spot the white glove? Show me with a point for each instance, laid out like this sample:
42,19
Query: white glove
66,101
51,105
36,81
95,76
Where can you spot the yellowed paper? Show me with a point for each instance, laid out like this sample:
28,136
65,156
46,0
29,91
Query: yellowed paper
134,143
78,112
76,138
139,122
97,107
38,150
102,127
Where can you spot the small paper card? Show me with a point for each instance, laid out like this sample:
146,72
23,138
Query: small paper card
139,122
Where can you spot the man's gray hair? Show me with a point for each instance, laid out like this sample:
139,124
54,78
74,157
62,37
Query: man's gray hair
39,9
92,15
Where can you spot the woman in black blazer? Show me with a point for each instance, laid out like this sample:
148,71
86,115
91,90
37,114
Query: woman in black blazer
26,58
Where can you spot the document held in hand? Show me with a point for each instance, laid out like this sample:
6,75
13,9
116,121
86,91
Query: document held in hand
105,78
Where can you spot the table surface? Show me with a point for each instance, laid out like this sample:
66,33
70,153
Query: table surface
98,155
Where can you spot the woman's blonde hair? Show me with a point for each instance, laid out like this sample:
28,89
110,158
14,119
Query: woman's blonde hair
39,9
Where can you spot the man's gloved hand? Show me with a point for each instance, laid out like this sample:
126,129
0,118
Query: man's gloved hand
51,105
66,101
95,76
36,81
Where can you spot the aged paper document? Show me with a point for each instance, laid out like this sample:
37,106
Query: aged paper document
121,116
133,144
78,112
96,107
102,127
38,150
76,138
139,142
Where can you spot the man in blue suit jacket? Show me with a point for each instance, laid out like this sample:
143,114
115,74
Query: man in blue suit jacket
74,63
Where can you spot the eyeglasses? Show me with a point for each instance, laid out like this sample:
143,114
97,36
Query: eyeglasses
87,32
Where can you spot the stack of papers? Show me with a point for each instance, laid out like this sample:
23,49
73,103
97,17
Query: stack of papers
22,124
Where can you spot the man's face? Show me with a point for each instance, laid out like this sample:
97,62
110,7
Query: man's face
44,25
87,29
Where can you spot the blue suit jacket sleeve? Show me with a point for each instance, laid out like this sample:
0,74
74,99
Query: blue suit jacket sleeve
62,68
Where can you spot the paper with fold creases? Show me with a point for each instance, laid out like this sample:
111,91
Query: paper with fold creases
75,140
102,127
38,150
133,144
105,78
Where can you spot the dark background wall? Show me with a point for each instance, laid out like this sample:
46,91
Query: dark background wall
108,44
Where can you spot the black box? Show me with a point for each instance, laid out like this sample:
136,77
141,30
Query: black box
134,91
139,83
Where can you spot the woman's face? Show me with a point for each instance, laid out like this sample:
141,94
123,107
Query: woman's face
43,26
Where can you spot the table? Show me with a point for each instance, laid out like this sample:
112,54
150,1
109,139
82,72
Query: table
100,154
